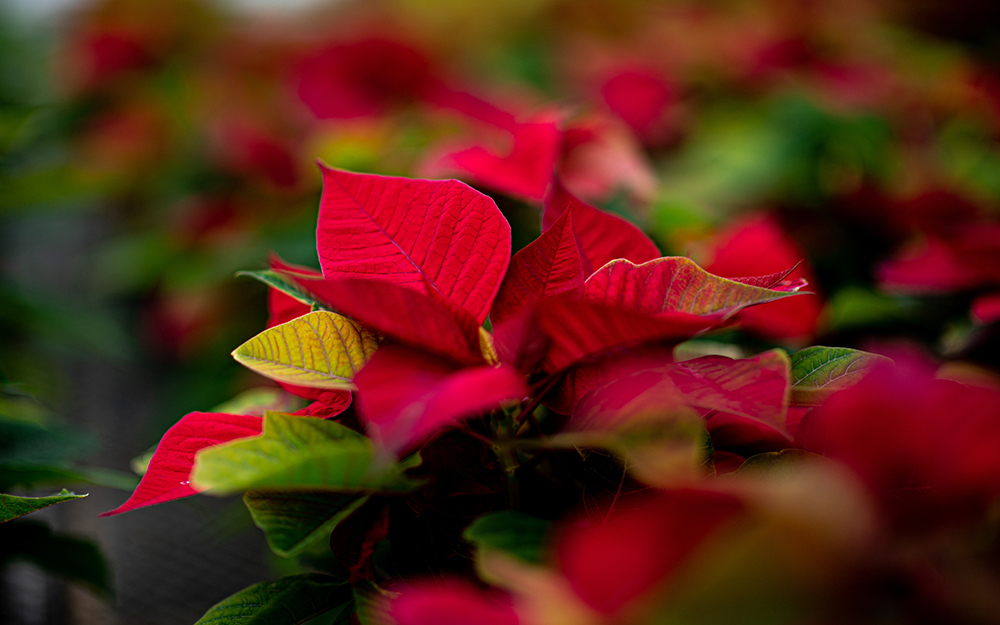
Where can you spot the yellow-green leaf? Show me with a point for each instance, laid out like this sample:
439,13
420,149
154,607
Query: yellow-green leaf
321,349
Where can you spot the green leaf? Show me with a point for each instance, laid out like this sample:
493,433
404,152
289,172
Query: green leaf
818,372
41,475
300,453
288,601
286,286
320,349
512,532
75,559
293,521
23,443
12,506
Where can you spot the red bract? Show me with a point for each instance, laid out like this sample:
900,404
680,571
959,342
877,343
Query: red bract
547,266
602,237
601,158
361,78
967,257
613,565
405,396
450,604
640,98
440,236
524,171
925,447
169,472
759,246
418,319
986,308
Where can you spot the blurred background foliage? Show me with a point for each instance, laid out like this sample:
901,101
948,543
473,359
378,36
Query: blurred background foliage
149,149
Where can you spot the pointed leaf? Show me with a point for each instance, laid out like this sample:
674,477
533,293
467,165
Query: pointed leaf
281,285
299,453
403,314
405,395
293,521
818,372
168,476
548,265
602,237
673,284
421,234
289,601
12,506
321,349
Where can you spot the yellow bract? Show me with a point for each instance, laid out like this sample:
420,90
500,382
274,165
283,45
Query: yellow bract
321,349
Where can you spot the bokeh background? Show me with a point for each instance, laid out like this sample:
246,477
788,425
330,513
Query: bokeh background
150,149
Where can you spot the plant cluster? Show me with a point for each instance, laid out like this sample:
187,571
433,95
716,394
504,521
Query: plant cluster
536,439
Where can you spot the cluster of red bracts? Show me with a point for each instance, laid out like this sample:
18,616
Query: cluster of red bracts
584,321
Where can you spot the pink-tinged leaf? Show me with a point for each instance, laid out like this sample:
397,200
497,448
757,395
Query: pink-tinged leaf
519,342
673,284
451,603
421,234
589,374
405,395
602,237
576,330
755,388
932,267
169,473
524,172
600,158
549,265
612,565
401,313
444,96
986,309
737,433
756,246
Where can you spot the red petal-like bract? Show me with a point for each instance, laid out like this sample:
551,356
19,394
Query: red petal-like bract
409,316
754,388
524,173
602,237
456,603
640,97
926,447
169,472
576,330
986,309
672,284
547,266
609,566
406,395
442,235
760,246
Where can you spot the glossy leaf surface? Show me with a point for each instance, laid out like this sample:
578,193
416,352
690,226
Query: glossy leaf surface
818,372
438,235
292,521
511,532
168,476
320,349
299,453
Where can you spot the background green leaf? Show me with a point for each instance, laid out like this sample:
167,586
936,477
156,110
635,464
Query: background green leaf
512,532
288,601
818,372
12,506
293,521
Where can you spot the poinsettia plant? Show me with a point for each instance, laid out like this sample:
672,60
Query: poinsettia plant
500,439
